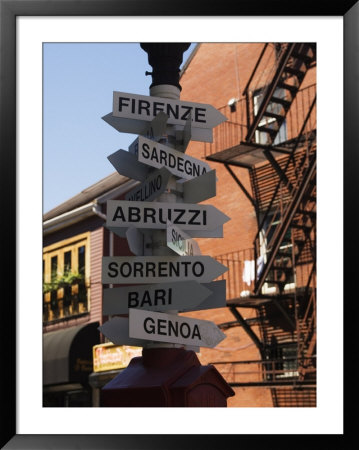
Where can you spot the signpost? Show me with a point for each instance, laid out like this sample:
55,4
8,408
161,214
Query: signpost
174,329
159,216
157,269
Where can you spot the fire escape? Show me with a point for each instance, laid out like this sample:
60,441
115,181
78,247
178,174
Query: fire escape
272,133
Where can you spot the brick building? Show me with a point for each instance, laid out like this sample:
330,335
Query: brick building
264,156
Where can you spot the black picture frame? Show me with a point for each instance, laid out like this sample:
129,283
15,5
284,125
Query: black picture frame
9,10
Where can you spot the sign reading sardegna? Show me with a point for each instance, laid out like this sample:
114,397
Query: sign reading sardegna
181,279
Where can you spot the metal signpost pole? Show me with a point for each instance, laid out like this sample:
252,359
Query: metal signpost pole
171,274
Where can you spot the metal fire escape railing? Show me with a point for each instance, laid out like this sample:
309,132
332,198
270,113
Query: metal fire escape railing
277,276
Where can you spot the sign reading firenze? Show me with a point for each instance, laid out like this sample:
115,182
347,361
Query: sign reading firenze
133,106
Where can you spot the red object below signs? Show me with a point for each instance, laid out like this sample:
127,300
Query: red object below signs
167,377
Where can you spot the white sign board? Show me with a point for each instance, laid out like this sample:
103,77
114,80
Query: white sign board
122,213
217,299
140,127
180,242
158,269
127,165
173,329
179,164
117,331
153,186
198,189
183,296
141,107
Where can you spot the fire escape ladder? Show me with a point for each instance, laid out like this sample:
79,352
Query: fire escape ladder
275,98
281,229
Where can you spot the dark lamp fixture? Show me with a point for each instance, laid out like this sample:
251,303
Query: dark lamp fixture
165,59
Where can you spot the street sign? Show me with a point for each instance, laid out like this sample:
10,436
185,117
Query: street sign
217,299
135,240
122,213
157,269
128,165
180,242
173,329
117,331
182,296
198,189
153,186
141,107
141,127
157,155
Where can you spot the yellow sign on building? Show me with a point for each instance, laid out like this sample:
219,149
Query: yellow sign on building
111,357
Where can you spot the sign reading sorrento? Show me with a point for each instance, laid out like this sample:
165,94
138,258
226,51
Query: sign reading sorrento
178,163
140,107
122,213
173,329
157,269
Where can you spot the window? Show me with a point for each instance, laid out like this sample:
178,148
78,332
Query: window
66,278
262,137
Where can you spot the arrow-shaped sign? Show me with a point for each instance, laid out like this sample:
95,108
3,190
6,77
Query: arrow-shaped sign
173,329
182,296
217,299
117,331
157,269
141,107
153,186
135,240
179,164
128,165
122,213
180,242
141,127
198,189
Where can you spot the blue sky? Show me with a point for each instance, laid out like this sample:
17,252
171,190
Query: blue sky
78,82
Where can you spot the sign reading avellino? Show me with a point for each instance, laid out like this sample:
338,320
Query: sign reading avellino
146,108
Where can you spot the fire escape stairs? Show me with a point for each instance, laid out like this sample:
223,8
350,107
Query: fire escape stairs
287,80
296,218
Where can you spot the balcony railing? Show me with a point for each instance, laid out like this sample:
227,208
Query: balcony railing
65,302
268,372
240,274
231,133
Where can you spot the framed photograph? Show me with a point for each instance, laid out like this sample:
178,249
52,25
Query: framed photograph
25,27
